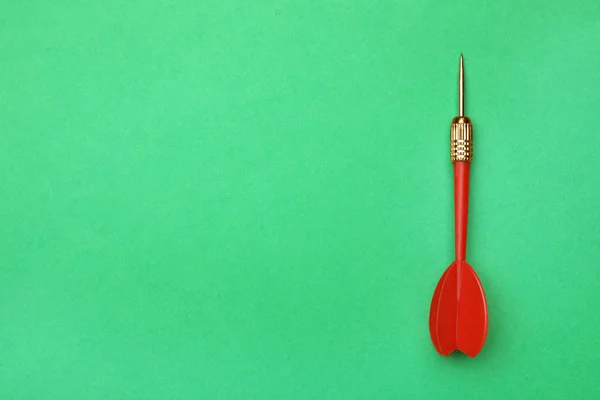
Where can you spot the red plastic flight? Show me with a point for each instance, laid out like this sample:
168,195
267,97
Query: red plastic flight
458,317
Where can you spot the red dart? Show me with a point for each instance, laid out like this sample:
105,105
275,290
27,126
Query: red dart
458,317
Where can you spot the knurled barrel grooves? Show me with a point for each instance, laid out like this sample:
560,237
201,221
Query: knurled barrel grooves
461,140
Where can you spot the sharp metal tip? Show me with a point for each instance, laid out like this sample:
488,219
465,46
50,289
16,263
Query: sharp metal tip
461,88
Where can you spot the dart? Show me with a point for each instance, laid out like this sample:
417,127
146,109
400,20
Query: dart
458,318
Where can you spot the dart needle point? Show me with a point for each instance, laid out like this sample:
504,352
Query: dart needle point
461,88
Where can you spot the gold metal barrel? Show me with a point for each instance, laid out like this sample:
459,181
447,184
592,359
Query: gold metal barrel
461,139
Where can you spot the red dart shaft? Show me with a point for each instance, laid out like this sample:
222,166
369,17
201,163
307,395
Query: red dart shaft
461,208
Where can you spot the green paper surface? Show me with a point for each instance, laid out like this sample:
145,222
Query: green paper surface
253,200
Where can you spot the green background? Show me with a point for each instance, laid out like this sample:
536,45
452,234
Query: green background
237,200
